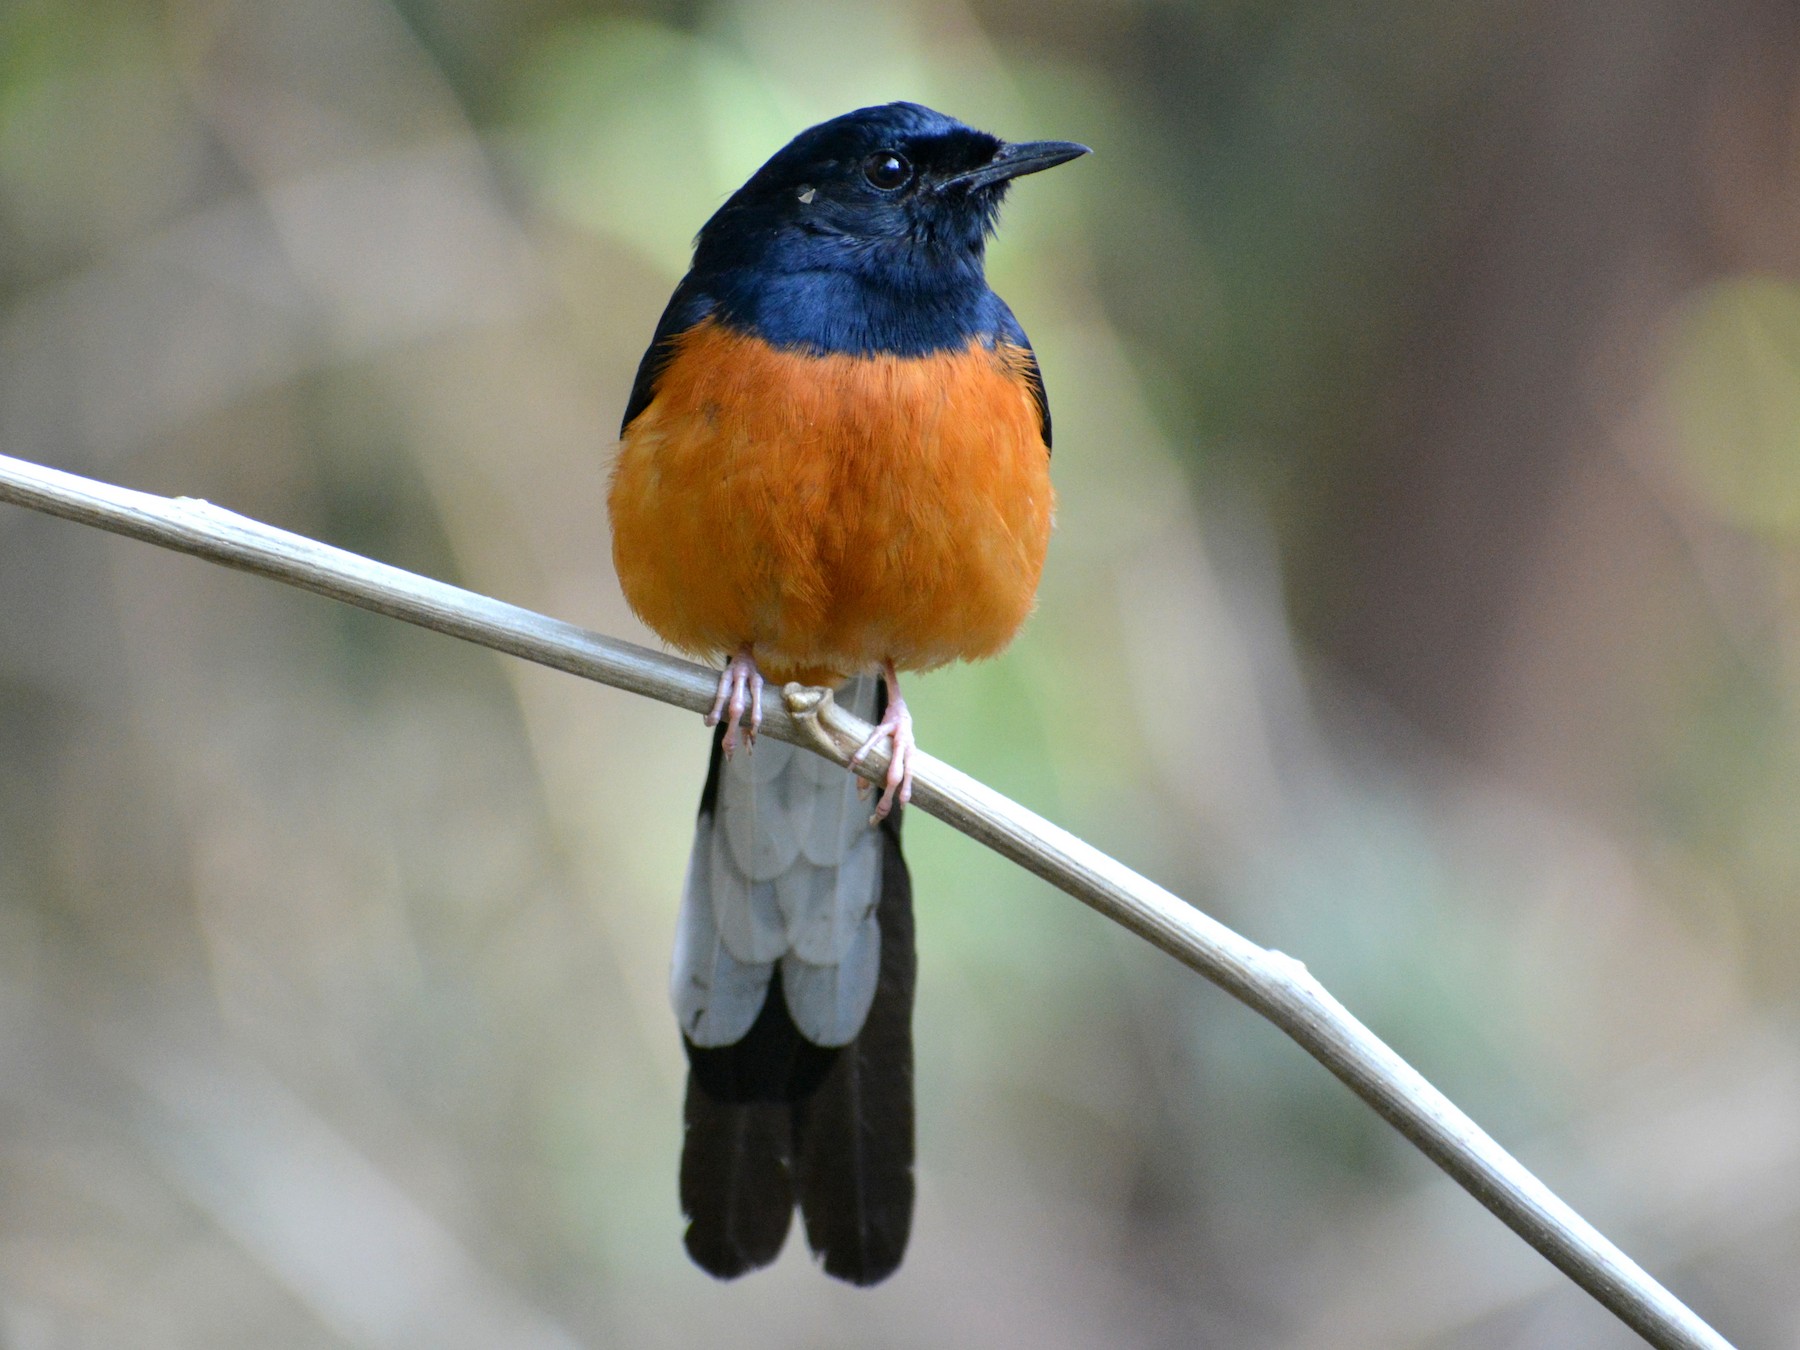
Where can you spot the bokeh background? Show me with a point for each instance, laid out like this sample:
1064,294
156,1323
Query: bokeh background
1424,603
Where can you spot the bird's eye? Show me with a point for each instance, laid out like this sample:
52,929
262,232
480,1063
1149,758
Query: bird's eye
886,170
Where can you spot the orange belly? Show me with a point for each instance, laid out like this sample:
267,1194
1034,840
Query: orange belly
832,512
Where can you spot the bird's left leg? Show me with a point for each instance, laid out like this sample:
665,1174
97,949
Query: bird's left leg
740,686
896,723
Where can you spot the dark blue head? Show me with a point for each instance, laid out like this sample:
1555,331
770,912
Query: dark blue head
867,233
897,184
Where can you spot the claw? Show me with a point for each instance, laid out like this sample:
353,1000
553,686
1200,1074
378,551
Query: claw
740,687
896,726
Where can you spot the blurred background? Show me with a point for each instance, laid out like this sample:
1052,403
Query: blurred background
1424,603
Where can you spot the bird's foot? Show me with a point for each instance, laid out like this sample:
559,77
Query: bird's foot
740,687
896,726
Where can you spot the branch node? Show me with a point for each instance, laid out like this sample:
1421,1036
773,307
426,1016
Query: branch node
1290,968
808,704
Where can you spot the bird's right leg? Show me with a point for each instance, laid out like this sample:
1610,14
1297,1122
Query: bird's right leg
740,687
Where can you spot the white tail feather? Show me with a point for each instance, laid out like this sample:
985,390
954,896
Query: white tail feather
716,996
754,812
786,868
830,1003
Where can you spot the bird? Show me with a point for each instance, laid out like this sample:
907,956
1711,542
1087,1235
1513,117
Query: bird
833,466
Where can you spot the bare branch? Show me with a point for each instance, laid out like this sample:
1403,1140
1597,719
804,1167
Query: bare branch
1277,986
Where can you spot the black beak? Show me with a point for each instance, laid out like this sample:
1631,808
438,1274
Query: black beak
1013,161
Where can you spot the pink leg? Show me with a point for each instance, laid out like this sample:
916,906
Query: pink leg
740,685
896,723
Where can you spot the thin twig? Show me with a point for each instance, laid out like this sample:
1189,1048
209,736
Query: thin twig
1277,986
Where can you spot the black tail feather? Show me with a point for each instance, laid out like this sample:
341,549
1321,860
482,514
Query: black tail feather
854,1136
737,1186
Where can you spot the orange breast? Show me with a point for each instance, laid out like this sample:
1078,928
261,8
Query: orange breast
831,512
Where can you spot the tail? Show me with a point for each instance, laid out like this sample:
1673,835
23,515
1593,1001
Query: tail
793,982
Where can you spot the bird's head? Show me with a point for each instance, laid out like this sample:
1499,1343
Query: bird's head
893,185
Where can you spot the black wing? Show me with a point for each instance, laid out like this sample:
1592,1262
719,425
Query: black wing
686,308
1010,331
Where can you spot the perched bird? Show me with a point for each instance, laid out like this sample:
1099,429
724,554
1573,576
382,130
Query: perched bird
834,466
